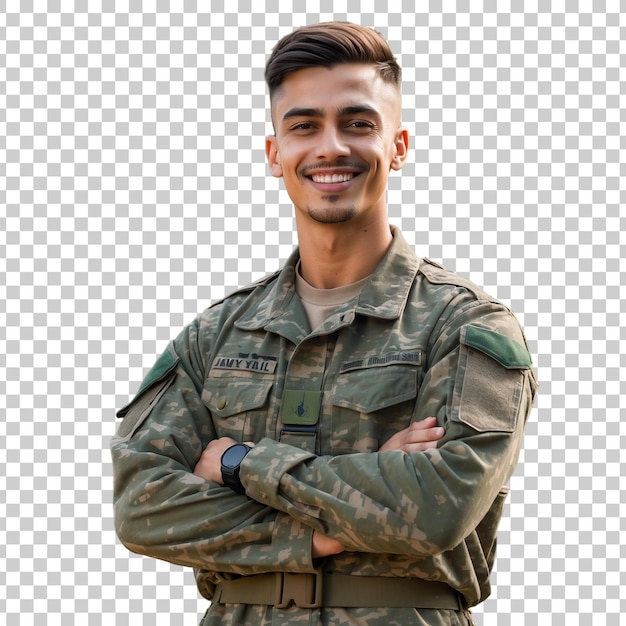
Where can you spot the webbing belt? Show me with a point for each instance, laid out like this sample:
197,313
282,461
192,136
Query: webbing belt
311,591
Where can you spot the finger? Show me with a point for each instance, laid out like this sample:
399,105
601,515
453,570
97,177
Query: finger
429,434
428,422
417,432
419,447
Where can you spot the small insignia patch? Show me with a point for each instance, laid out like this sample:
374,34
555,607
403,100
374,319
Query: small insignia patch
301,407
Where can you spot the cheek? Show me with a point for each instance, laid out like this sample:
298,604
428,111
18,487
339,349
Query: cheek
287,159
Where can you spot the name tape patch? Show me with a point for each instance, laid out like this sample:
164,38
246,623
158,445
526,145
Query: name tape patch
249,364
392,358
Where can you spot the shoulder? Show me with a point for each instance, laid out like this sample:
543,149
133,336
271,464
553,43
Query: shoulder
238,301
452,302
437,275
242,293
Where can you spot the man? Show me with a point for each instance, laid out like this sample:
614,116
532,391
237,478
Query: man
330,445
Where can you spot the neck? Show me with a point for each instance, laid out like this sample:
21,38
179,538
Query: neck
334,255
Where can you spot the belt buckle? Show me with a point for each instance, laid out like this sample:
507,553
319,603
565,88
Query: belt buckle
303,589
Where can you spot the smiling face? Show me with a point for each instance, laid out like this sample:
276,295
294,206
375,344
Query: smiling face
337,137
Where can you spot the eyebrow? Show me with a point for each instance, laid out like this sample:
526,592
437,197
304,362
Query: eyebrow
300,112
357,110
311,112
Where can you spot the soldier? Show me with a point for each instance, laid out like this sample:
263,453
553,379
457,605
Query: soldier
331,444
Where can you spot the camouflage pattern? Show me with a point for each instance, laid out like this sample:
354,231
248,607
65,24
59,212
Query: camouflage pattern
419,341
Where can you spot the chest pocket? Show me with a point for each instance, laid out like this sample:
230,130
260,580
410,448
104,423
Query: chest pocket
239,406
370,405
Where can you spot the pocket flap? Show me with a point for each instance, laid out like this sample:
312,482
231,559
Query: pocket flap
231,395
369,390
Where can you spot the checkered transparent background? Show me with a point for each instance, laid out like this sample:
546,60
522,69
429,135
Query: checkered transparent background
134,192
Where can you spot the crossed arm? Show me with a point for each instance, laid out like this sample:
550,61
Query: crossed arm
168,504
417,437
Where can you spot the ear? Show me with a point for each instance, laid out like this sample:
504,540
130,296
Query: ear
273,158
401,147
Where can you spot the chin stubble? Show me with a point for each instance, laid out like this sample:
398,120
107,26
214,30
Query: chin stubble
332,214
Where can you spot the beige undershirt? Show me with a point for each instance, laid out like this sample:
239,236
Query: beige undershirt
320,303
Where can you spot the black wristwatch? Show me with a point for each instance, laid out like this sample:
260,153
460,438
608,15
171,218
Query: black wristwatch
231,460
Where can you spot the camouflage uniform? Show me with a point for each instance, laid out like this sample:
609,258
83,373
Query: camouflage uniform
419,341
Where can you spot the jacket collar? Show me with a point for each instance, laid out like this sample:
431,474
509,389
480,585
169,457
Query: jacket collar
384,295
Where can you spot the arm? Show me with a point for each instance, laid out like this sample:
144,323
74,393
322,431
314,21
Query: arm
163,510
421,503
166,507
419,436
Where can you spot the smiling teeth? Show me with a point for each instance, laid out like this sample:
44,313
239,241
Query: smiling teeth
335,178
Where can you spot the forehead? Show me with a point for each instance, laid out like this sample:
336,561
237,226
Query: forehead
337,87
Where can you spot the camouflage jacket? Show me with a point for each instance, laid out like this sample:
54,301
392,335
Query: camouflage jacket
419,341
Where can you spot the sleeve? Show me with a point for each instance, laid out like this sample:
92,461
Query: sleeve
162,509
480,385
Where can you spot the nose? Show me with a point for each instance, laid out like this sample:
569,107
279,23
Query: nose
332,144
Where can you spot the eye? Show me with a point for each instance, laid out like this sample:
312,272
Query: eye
360,124
302,126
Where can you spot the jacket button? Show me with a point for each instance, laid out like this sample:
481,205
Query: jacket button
222,402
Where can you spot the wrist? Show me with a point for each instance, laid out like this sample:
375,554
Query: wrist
230,464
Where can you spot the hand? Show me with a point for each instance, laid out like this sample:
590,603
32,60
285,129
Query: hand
209,466
324,546
417,437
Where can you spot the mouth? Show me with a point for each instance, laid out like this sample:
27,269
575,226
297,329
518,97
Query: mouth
332,179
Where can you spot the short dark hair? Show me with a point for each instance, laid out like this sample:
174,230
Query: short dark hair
328,44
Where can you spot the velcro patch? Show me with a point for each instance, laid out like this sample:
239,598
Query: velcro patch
301,406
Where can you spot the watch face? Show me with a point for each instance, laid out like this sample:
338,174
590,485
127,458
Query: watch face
234,455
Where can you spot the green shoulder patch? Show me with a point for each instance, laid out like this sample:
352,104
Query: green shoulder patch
508,352
164,365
